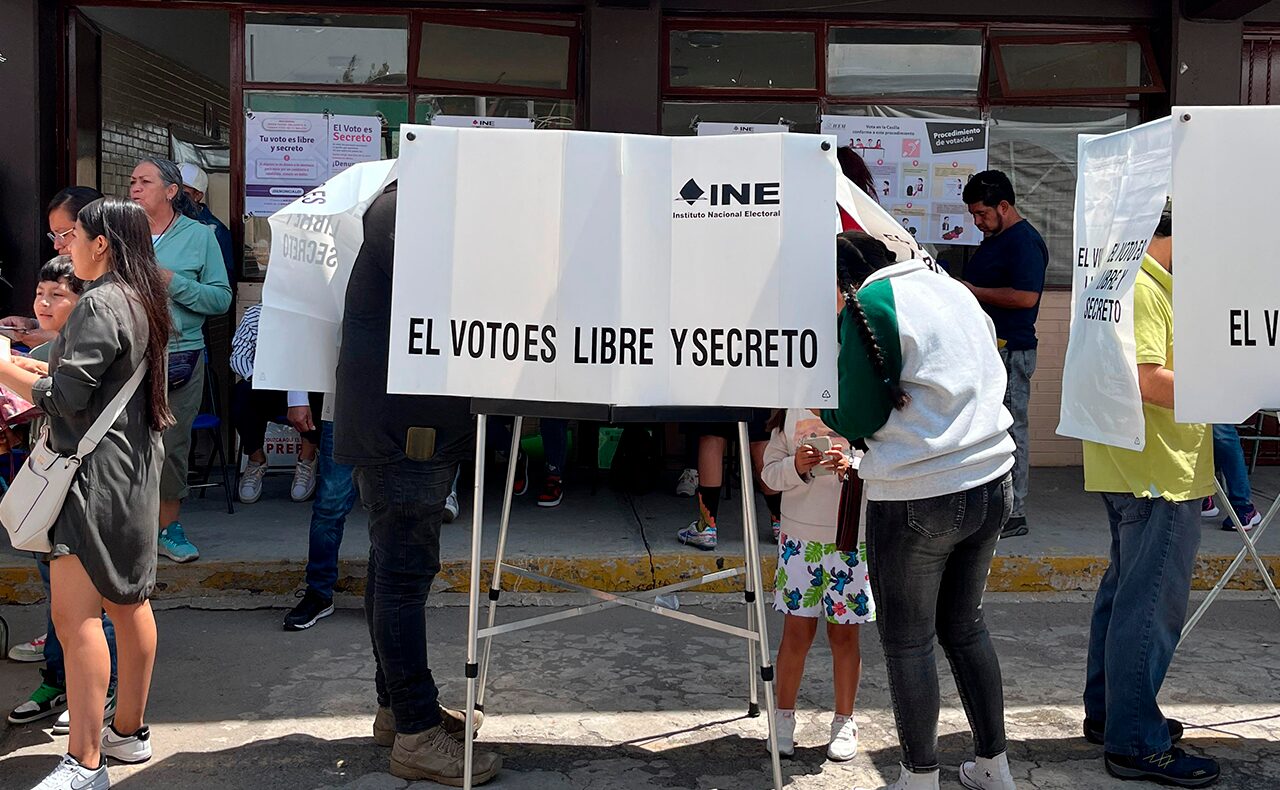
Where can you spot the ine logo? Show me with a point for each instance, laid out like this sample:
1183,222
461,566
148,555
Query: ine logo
764,193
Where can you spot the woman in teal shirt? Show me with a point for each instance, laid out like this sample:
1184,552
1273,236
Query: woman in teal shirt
191,263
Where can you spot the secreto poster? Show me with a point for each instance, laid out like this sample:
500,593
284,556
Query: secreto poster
289,154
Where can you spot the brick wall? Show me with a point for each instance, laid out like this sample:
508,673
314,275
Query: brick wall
1047,448
142,94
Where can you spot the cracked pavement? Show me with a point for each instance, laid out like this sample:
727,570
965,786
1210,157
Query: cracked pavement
626,700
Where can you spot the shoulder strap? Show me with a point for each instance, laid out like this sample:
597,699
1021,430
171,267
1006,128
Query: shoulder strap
109,414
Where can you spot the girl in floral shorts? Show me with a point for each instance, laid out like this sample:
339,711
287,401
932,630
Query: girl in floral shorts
815,580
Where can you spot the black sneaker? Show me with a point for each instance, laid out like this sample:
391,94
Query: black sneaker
311,608
1174,767
1095,731
1015,527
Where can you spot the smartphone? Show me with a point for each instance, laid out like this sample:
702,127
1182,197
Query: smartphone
420,443
823,445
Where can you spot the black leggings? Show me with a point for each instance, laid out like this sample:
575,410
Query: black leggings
252,409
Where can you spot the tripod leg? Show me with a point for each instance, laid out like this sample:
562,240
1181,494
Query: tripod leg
753,574
473,613
495,587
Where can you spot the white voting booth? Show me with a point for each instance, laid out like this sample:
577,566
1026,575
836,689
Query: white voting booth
590,302
1226,290
595,294
1123,182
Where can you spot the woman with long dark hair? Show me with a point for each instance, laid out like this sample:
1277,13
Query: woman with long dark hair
855,169
196,277
104,540
61,214
922,384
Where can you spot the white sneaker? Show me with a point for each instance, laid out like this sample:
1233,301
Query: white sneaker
987,774
304,481
450,508
29,652
251,482
687,485
910,781
63,725
844,739
128,749
784,727
71,775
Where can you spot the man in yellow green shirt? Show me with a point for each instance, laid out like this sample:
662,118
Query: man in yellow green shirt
1153,500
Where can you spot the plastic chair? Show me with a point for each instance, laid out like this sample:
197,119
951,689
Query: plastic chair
210,420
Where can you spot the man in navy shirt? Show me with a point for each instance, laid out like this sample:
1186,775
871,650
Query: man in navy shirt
1006,274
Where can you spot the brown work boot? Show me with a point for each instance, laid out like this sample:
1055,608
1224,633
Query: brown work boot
436,756
384,727
453,721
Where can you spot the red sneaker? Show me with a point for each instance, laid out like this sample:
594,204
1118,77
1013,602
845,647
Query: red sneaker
552,492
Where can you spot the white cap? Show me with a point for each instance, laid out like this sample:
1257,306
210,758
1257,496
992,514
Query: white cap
194,177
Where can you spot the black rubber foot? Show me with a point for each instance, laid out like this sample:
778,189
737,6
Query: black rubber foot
753,711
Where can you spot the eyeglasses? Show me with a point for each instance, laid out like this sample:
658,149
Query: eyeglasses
57,237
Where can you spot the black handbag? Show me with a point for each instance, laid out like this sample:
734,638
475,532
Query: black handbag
849,513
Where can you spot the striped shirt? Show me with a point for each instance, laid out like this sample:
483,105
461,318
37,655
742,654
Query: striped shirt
244,347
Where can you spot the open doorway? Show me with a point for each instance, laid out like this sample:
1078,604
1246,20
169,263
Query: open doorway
164,89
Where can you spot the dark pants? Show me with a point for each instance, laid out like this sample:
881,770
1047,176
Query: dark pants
335,496
1137,618
252,409
405,500
555,441
929,560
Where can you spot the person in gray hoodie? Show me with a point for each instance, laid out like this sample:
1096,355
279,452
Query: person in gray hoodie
922,385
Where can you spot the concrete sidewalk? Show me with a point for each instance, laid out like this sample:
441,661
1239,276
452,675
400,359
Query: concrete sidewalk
616,542
625,701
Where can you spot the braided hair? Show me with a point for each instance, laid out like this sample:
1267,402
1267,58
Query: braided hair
857,256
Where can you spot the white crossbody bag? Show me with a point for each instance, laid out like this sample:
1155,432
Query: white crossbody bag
35,498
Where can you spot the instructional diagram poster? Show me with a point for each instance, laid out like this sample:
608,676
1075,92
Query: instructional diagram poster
289,154
920,169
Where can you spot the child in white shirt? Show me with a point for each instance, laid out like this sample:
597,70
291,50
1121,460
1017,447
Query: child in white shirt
815,580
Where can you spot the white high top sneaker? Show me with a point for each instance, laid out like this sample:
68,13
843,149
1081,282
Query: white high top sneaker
913,781
784,727
987,773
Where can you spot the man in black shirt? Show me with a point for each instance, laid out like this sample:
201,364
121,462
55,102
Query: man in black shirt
1007,276
406,450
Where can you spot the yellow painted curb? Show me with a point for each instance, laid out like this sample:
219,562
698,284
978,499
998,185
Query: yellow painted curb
19,585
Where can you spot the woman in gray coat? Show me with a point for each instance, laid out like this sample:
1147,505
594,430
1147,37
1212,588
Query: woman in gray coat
104,540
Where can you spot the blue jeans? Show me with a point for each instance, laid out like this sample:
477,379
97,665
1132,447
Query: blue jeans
1228,457
1020,365
53,660
405,500
335,496
1137,618
929,560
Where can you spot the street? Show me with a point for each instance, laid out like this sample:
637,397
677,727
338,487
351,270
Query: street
626,700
